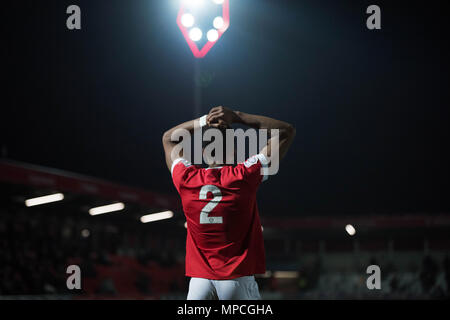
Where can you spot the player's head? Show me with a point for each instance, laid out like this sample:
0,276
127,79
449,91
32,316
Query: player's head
210,156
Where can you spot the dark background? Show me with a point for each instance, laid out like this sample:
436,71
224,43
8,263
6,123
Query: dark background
370,107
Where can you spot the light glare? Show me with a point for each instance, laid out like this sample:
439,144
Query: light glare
45,199
193,3
157,216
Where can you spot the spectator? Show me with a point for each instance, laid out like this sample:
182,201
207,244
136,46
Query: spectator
428,273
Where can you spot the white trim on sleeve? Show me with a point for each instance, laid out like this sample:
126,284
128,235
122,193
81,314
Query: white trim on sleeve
265,165
176,161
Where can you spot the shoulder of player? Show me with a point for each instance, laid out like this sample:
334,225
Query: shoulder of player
257,158
183,164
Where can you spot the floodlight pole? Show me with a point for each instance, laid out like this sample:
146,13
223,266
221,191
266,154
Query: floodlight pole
201,52
197,89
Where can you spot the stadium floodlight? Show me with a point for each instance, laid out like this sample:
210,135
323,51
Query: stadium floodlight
157,216
218,23
188,18
350,229
43,200
212,35
106,209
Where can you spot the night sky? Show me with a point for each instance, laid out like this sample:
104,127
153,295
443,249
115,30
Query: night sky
370,107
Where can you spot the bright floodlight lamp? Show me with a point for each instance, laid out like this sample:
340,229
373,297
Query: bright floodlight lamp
218,22
187,22
212,35
195,34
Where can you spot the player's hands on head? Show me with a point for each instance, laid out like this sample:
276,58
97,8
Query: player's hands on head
221,117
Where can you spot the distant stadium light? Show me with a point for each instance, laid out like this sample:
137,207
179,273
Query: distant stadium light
45,199
350,229
85,233
188,16
195,34
185,225
285,274
266,275
156,216
106,209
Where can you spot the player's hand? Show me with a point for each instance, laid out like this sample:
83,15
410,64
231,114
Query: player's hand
221,117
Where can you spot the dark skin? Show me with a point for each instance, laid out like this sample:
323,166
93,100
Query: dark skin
222,117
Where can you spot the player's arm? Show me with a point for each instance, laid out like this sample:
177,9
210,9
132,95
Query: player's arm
286,132
169,144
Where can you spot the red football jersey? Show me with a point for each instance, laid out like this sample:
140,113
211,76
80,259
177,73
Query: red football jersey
224,236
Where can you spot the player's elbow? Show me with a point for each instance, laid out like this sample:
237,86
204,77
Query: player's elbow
289,132
166,136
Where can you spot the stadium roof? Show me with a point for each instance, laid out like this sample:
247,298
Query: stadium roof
48,178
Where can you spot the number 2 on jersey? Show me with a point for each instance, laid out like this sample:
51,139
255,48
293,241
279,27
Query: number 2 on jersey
204,214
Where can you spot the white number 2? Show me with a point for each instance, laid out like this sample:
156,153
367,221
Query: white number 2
204,218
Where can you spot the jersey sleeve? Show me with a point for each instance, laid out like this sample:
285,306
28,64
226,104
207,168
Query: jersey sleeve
180,168
255,169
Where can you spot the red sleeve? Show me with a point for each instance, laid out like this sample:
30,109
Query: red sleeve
180,168
255,169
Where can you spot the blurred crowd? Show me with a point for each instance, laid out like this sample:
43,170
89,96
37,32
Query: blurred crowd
37,248
125,259
430,280
324,276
